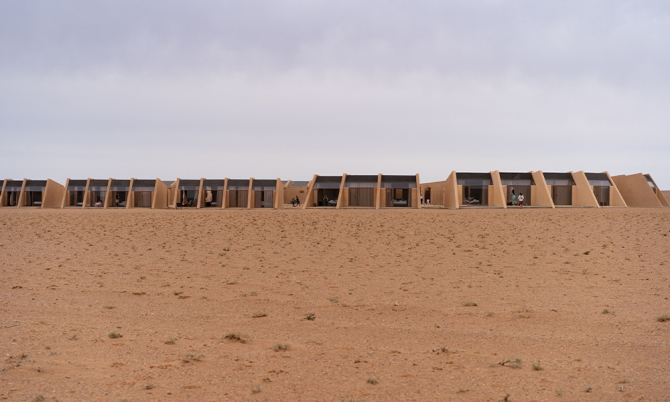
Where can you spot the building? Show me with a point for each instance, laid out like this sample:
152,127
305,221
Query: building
363,191
640,190
294,189
31,194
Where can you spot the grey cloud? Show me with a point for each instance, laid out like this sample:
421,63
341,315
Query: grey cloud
326,87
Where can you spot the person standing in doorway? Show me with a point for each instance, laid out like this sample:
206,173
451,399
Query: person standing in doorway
209,198
520,200
297,200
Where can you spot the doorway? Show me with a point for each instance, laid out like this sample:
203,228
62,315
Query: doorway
398,197
238,198
602,194
263,199
475,195
561,195
327,197
513,193
361,197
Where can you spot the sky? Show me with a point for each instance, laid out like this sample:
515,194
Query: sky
290,89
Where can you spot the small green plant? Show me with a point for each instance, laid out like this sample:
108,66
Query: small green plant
372,381
281,346
584,271
114,335
663,318
588,389
171,341
469,304
537,367
310,317
109,307
255,389
334,299
190,357
258,314
608,311
149,386
177,293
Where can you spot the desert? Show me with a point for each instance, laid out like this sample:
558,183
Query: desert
335,305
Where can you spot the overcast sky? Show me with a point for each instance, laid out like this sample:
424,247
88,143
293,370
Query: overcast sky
288,89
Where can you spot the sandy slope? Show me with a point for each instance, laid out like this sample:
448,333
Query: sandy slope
387,290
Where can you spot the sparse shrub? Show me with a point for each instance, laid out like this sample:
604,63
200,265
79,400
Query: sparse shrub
258,314
310,317
469,304
109,307
334,299
280,346
608,311
234,337
372,381
255,389
149,386
513,362
171,341
190,357
588,389
490,314
663,318
537,367
114,335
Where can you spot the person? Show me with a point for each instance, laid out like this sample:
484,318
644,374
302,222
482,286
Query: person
520,200
427,201
421,198
514,199
117,200
297,200
325,200
208,199
98,204
293,202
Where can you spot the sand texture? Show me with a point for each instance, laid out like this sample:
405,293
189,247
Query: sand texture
325,305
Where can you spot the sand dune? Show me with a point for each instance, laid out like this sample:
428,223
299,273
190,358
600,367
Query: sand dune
374,305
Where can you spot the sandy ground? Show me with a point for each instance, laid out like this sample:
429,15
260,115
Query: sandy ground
374,305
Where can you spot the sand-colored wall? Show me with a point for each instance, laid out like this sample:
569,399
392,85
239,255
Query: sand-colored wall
130,199
160,196
636,191
452,196
616,199
542,195
22,195
341,197
436,192
666,195
291,192
2,193
661,197
67,184
582,191
309,194
499,198
174,192
53,195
